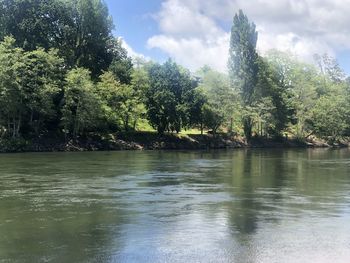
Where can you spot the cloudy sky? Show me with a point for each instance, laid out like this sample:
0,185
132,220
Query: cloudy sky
196,32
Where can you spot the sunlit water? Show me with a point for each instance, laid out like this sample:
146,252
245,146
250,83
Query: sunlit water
225,206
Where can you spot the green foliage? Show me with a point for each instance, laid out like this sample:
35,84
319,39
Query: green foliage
196,111
212,119
107,89
139,85
330,68
91,29
11,99
122,103
42,75
272,86
243,64
81,108
121,66
295,88
80,29
33,23
243,57
330,117
29,81
220,101
167,98
261,115
63,70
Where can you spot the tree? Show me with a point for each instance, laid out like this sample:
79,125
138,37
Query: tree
89,35
330,68
212,118
81,107
123,103
330,117
243,67
197,109
80,29
274,84
129,106
261,115
220,99
42,75
108,90
29,82
166,96
121,66
299,85
11,99
34,23
139,84
304,92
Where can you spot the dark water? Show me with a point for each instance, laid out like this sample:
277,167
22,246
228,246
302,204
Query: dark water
227,206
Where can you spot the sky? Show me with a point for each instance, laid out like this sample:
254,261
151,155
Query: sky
197,32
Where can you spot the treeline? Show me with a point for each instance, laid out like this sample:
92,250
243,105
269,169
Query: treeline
280,94
63,72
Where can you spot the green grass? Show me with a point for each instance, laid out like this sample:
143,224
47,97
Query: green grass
144,126
191,131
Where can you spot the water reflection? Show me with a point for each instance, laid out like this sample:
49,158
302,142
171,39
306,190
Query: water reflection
220,206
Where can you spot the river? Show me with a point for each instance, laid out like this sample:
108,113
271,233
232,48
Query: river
218,206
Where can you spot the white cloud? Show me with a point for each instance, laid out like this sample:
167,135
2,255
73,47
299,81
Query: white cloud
181,20
190,30
194,52
131,52
302,48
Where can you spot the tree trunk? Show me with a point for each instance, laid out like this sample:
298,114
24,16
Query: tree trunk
126,123
247,128
18,126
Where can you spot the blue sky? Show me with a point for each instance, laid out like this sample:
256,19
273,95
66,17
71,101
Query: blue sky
196,32
134,22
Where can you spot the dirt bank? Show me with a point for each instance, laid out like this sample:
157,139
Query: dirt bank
147,141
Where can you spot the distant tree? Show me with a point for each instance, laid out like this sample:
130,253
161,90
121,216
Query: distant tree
221,99
330,68
121,66
243,67
196,111
140,85
330,117
261,115
296,87
212,118
274,85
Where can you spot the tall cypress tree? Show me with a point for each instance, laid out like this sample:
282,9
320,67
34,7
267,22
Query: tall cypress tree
243,63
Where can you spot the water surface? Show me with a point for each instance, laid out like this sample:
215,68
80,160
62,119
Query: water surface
223,206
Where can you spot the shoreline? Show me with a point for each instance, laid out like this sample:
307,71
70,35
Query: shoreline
150,141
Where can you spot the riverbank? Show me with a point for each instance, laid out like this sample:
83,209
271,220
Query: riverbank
149,141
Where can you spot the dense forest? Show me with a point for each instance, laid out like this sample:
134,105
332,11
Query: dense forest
63,72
